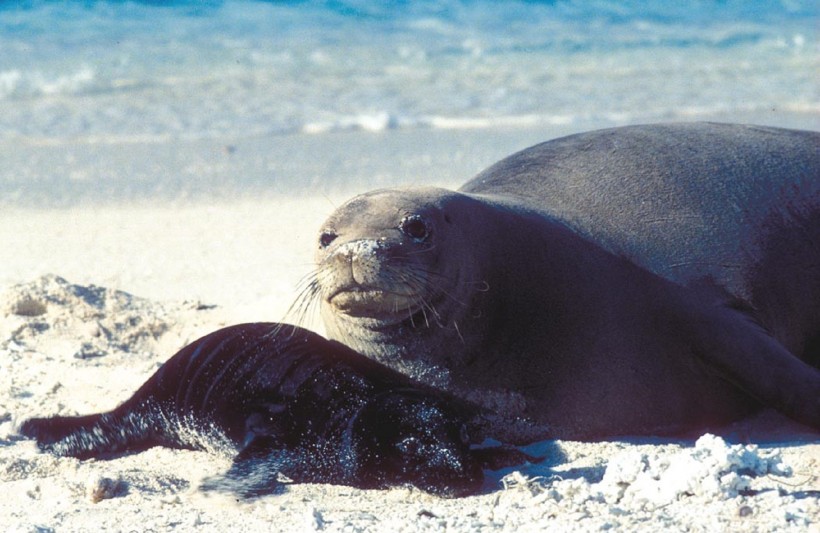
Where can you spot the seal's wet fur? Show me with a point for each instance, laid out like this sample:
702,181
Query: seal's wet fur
288,403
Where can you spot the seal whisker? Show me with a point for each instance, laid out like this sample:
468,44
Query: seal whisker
458,332
424,314
483,286
440,288
426,250
420,284
417,284
434,276
307,296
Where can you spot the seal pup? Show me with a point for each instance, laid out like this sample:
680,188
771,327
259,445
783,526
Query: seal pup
648,279
288,402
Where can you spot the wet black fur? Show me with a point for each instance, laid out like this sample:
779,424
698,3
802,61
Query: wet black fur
288,403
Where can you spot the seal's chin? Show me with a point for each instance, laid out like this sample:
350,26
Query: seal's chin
374,302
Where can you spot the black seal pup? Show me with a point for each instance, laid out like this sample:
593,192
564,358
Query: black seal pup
290,403
639,280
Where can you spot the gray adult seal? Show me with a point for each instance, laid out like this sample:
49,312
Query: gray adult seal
641,280
287,401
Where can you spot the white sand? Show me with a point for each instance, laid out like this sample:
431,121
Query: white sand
66,350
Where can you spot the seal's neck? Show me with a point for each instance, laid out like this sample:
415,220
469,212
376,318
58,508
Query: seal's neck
412,347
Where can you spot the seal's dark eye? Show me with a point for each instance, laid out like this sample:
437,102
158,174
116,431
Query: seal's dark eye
414,226
326,238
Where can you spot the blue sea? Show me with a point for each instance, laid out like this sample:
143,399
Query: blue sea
110,71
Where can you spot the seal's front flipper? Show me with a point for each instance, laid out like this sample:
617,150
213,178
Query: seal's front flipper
730,344
499,457
255,470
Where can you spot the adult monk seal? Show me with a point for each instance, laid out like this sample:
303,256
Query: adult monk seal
289,402
639,280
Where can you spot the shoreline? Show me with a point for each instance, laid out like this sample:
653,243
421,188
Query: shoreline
73,173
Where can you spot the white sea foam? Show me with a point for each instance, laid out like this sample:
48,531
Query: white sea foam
243,68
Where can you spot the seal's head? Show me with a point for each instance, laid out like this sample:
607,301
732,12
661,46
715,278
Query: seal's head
379,255
405,437
392,263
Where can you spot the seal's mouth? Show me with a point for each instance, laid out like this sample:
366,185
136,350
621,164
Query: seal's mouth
372,301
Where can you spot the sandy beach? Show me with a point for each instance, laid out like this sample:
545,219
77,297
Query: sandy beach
97,292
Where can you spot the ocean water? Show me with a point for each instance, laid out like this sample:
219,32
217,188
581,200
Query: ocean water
114,71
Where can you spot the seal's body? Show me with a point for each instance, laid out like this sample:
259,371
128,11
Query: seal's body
647,279
291,403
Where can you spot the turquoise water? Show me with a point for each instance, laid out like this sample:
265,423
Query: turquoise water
156,71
